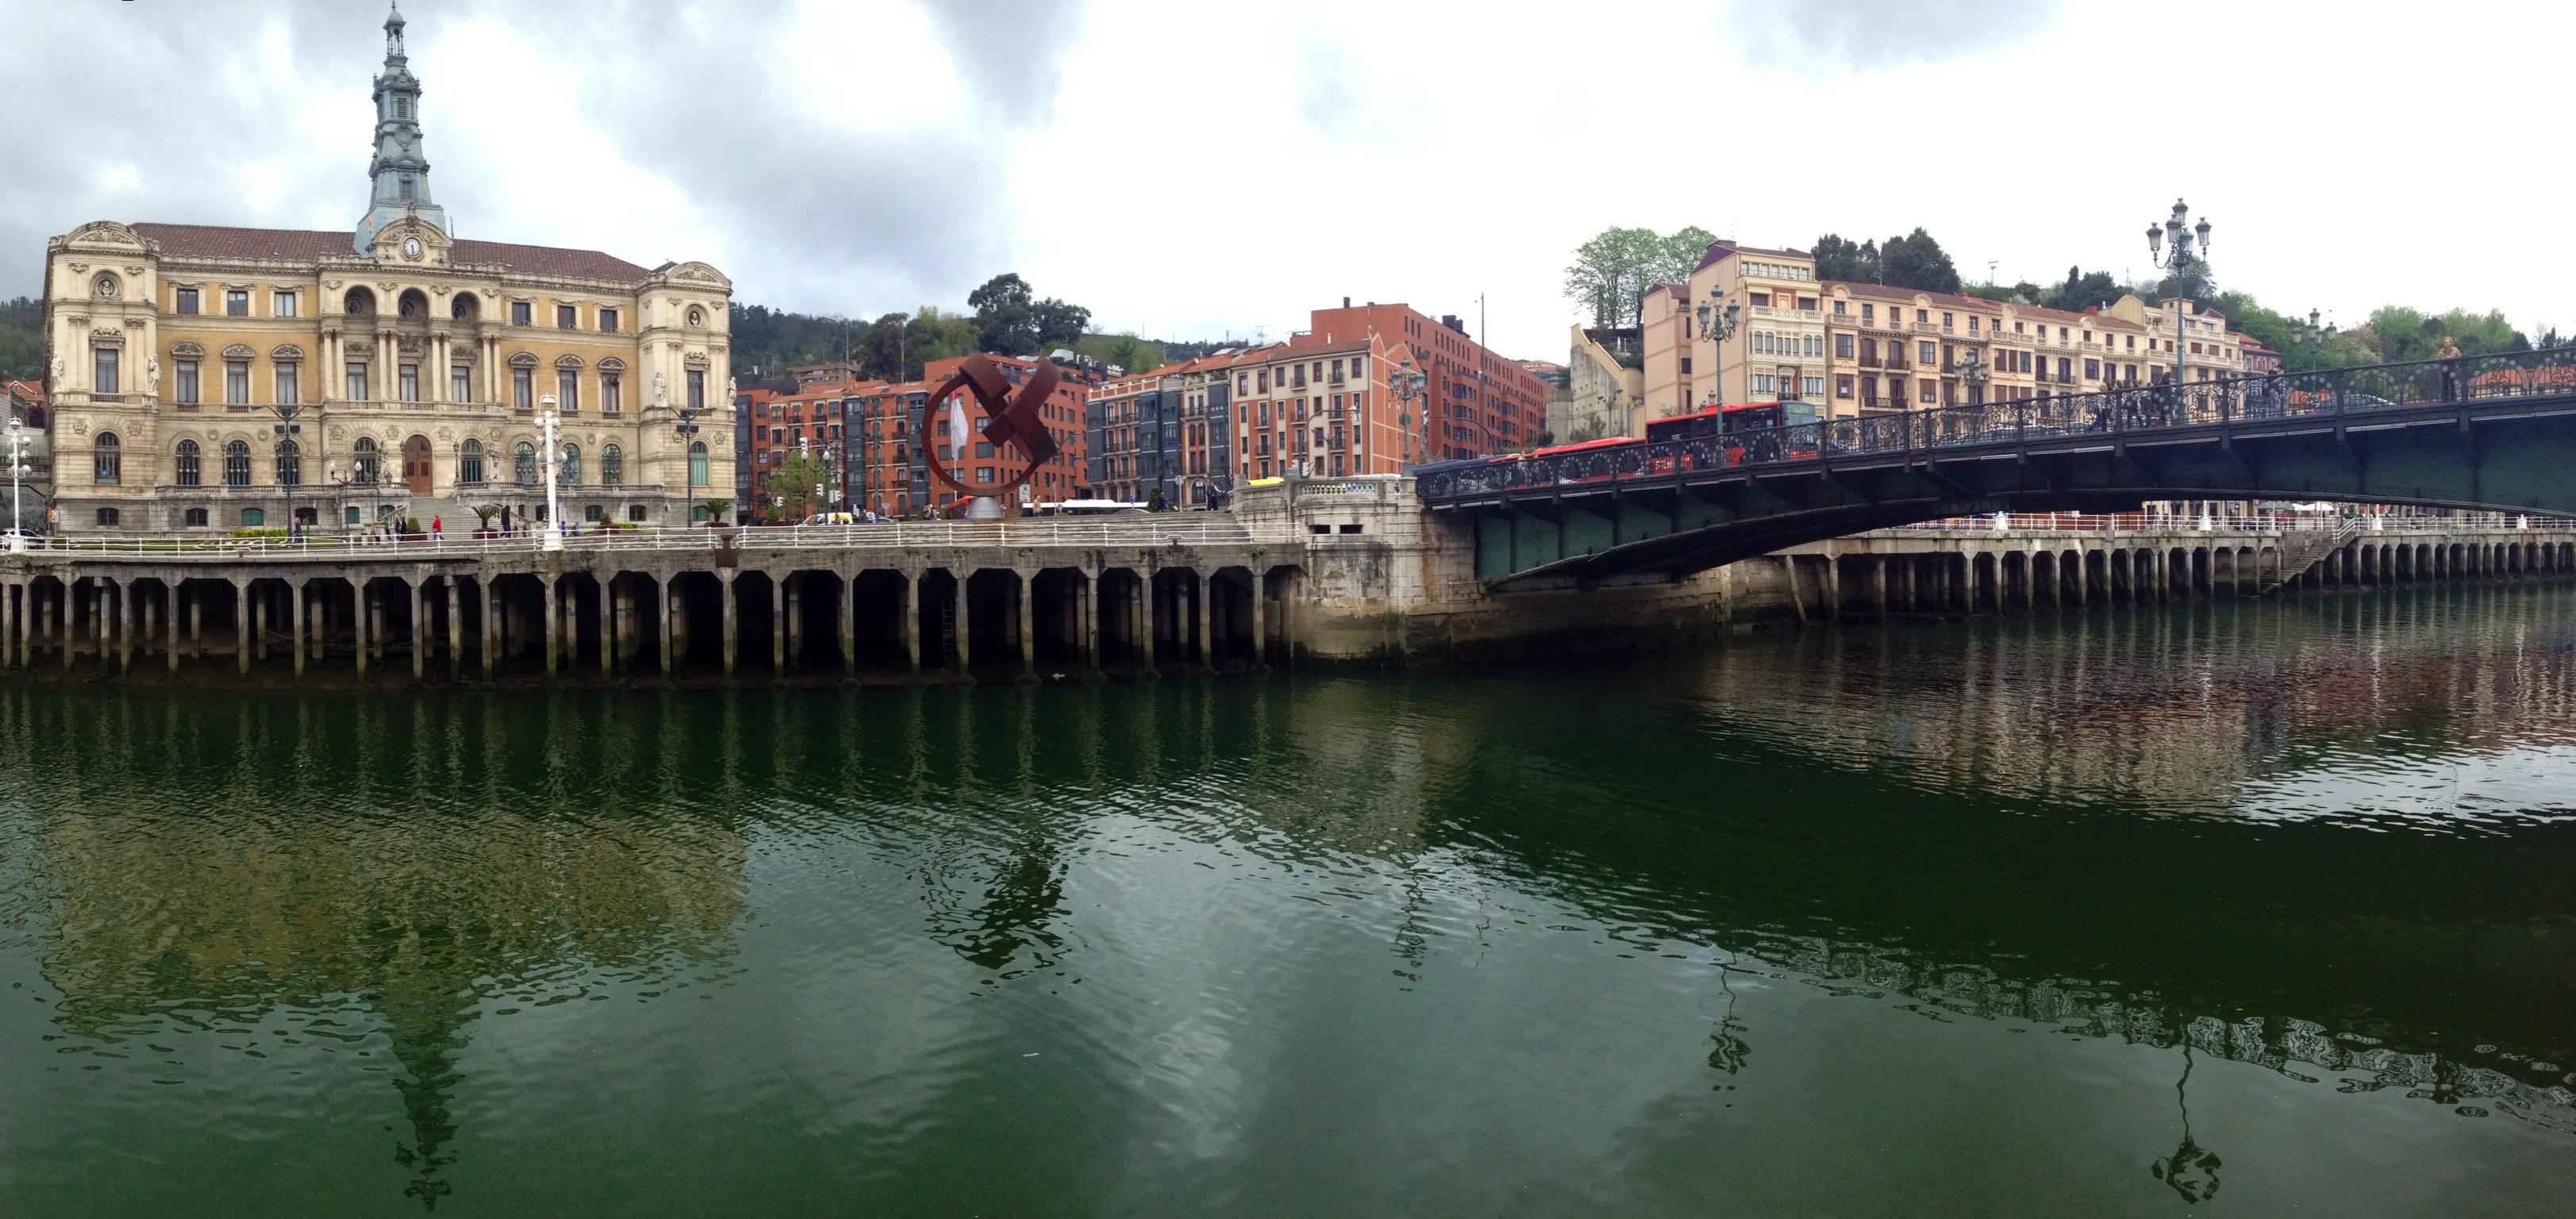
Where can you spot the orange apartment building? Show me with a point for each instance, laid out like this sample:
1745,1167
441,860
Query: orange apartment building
1478,401
972,459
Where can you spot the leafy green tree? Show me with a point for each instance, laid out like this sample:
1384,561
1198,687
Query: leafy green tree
1011,320
1124,350
1917,261
1608,274
882,351
2081,291
22,339
1840,259
1677,254
793,482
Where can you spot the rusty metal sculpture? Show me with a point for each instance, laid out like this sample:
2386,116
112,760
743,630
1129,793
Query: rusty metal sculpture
1010,420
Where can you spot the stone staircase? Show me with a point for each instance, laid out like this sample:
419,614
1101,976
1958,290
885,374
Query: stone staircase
2303,549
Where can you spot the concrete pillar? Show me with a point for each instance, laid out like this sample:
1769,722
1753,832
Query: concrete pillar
24,594
143,607
849,622
1145,608
171,657
295,589
419,629
362,620
554,624
908,620
1086,621
1877,587
455,630
1797,597
241,625
782,591
122,626
964,630
732,635
666,599
608,627
259,625
375,622
1028,616
1199,590
1261,621
491,632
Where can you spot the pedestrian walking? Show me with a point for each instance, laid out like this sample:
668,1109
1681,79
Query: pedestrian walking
438,529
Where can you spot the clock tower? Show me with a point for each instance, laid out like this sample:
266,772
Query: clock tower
399,172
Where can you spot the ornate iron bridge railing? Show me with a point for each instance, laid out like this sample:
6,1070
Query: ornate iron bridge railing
2133,409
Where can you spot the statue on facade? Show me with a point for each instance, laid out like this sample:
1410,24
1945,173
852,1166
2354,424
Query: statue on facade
152,371
661,389
57,378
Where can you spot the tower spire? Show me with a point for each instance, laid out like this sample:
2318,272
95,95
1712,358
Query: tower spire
399,172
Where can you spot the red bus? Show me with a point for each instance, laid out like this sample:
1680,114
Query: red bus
1748,431
1507,466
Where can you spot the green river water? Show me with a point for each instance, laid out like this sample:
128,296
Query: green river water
2235,909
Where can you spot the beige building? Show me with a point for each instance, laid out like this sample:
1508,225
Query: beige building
1600,393
2208,348
1777,350
204,377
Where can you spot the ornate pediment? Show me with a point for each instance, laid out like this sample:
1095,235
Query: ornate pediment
286,351
103,232
568,361
612,364
238,351
187,351
697,273
412,242
694,360
523,359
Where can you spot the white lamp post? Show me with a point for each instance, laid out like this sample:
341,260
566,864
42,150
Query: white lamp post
547,419
17,467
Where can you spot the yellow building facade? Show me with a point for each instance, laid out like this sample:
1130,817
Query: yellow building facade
209,379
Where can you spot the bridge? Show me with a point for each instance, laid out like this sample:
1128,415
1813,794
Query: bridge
2492,433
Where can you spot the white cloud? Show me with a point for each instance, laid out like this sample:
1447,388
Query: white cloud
1193,170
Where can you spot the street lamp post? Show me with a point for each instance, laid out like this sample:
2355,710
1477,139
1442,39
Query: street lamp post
686,428
17,469
548,420
286,429
1717,326
2175,233
1408,385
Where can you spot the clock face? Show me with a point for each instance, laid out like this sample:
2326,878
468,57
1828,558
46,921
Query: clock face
411,247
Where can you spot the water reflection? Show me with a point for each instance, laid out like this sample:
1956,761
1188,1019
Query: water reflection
2158,829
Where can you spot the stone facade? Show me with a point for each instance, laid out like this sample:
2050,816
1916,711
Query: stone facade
202,377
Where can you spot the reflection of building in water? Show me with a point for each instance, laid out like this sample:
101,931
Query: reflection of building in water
290,894
2162,708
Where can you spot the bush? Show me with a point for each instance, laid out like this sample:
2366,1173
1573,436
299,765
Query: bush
259,533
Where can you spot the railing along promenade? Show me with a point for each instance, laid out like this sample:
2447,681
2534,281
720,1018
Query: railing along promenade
2340,394
1179,529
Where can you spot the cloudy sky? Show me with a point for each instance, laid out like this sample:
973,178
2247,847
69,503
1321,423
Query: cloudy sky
1193,169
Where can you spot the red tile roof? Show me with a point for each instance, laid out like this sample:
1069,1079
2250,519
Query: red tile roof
307,245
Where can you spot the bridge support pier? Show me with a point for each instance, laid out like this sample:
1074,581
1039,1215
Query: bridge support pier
908,617
732,633
241,625
295,628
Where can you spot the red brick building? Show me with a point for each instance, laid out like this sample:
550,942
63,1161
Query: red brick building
809,421
1480,402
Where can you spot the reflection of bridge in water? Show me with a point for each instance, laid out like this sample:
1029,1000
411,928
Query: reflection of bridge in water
2490,432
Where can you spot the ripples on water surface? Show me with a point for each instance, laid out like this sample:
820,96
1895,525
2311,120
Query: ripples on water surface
2240,909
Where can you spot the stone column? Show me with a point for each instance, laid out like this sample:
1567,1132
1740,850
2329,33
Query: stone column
965,632
491,632
1145,614
782,592
196,623
241,624
908,620
669,600
732,637
1086,647
1028,624
1204,604
296,591
419,632
362,620
1261,622
608,627
143,607
259,625
849,617
124,625
170,659
554,631
1877,587
455,629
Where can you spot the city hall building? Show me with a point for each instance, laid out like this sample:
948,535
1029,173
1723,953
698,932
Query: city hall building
213,379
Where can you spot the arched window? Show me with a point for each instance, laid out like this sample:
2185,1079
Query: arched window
469,463
612,466
237,463
253,518
108,460
369,462
412,306
359,301
290,464
571,465
191,474
697,463
465,308
526,466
